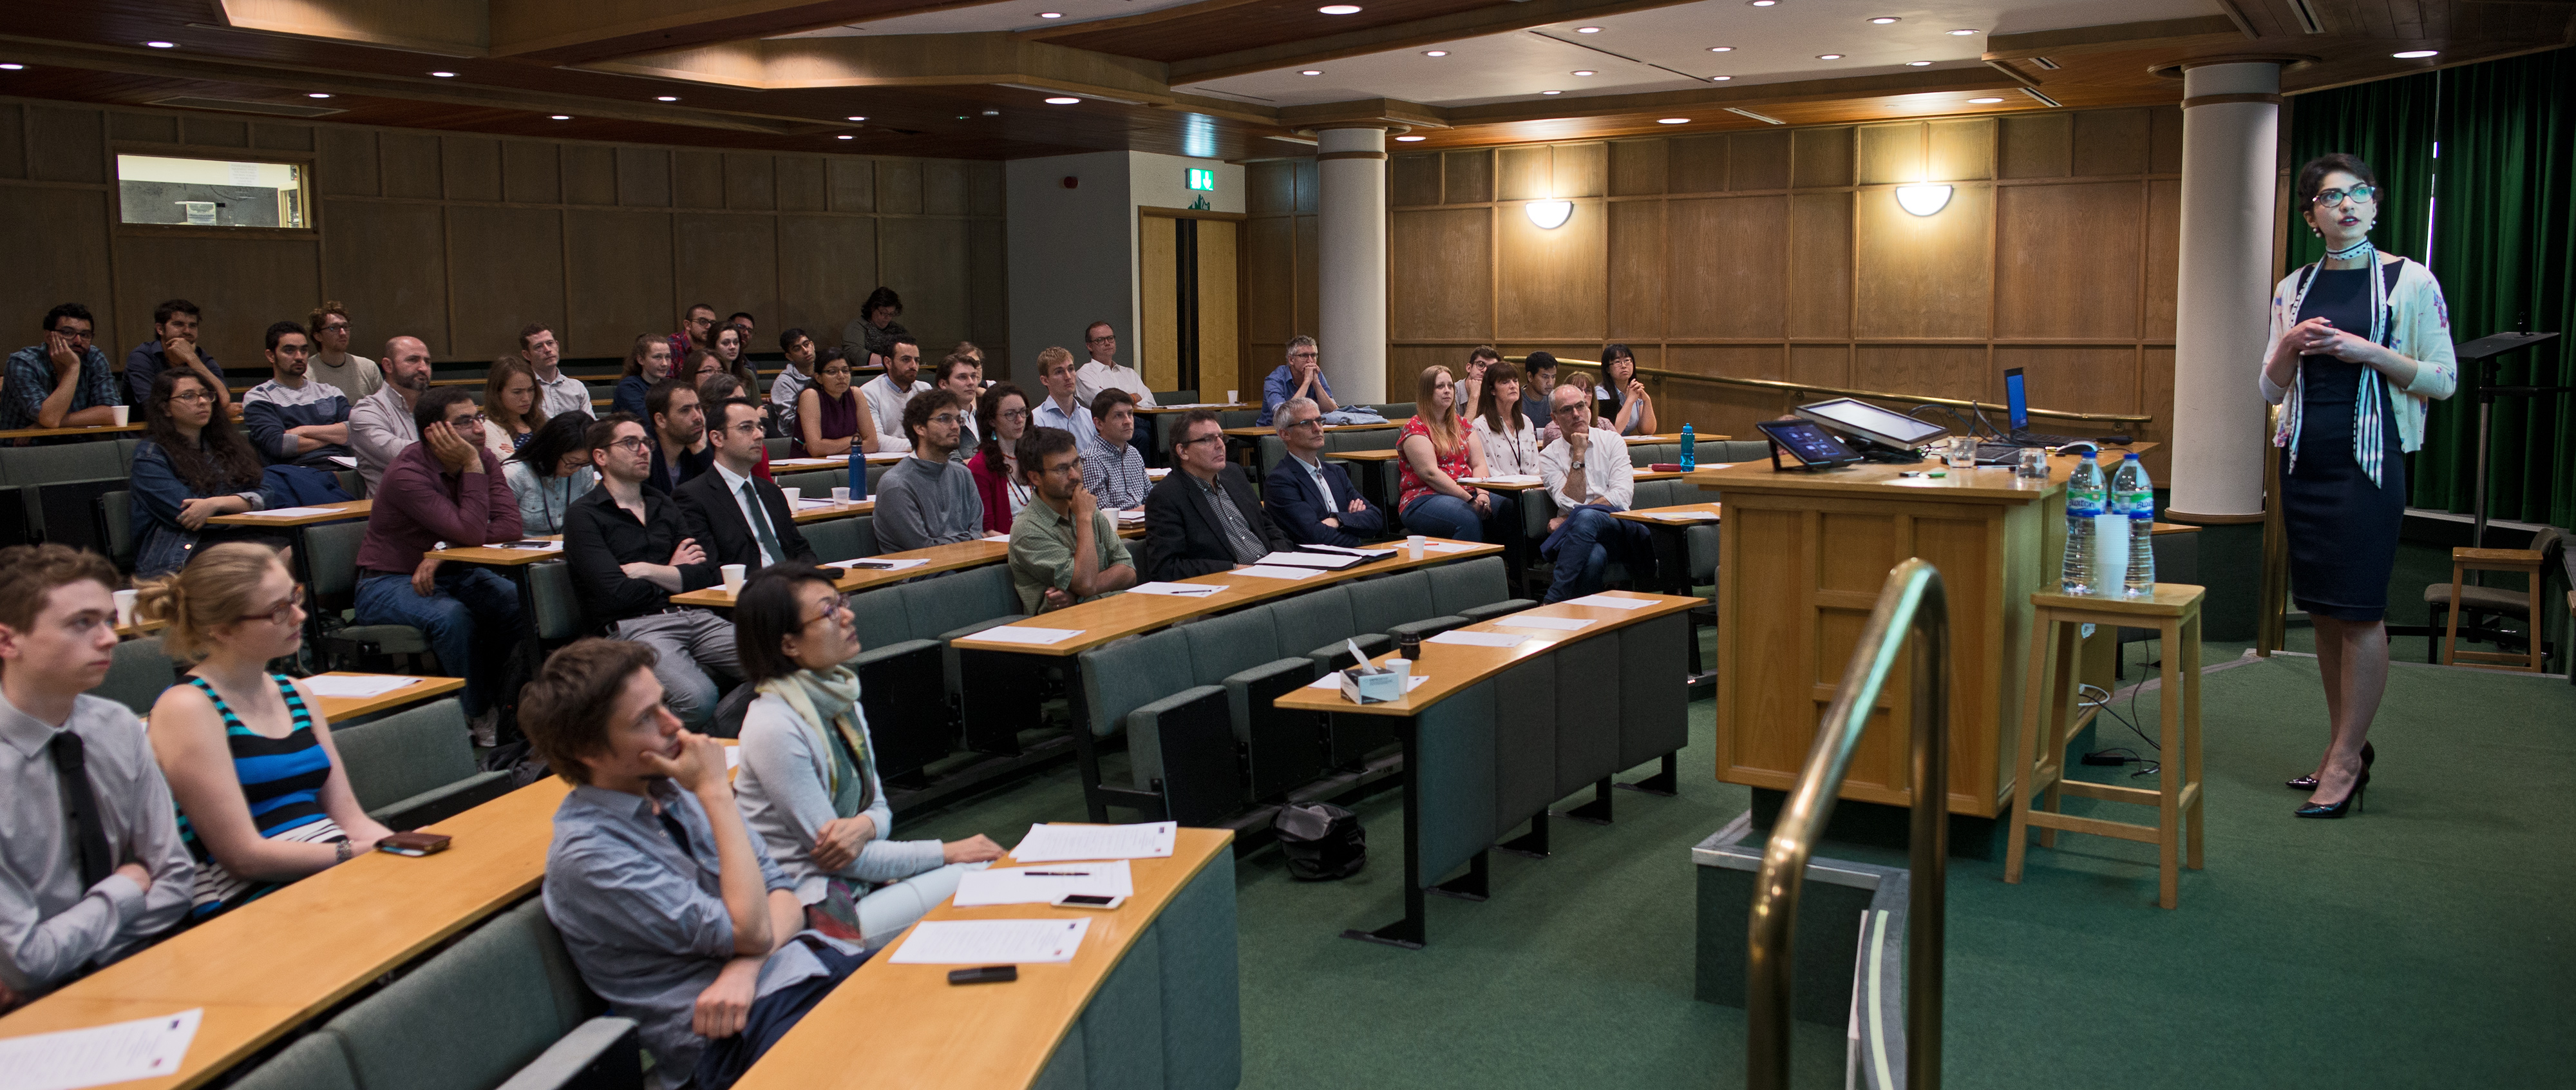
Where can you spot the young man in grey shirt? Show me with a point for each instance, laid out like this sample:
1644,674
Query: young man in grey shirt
927,499
91,866
670,907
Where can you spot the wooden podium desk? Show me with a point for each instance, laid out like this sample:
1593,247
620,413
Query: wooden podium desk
1805,553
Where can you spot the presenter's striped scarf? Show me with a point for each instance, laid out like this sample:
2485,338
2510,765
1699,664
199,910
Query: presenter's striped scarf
2367,445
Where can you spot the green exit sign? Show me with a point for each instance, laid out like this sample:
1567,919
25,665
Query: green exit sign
1204,180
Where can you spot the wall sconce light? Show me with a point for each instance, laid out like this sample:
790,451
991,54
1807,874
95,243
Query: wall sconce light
1922,200
1549,215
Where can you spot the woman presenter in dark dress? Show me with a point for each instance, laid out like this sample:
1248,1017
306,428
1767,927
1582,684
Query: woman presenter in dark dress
2361,343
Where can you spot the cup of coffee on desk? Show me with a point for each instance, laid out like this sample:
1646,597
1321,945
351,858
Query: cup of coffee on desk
733,574
124,606
793,495
120,414
1230,398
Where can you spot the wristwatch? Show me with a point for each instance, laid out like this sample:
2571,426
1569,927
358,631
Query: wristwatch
344,850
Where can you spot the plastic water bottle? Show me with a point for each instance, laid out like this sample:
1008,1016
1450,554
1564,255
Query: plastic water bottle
1690,460
858,472
2085,507
2136,498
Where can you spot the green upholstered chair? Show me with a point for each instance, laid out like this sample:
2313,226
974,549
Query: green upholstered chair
416,766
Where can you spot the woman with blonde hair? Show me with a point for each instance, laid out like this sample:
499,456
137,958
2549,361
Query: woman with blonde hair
511,409
262,797
1434,452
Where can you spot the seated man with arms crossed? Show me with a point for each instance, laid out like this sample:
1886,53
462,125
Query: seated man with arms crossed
1311,499
1112,468
679,435
1589,476
1203,518
732,513
1064,547
630,552
92,867
927,499
446,487
294,418
669,906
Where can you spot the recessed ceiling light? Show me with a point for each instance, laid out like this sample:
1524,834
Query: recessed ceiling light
1917,64
1672,121
1985,101
1719,79
563,117
666,98
845,136
1435,52
1063,100
1340,9
858,118
1760,3
1410,139
1585,72
317,94
1883,20
992,113
1050,15
1587,30
1962,33
163,45
2415,54
1551,92
1312,72
11,67
1829,56
1721,49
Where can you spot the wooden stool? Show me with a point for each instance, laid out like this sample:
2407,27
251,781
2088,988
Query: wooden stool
2174,612
2465,560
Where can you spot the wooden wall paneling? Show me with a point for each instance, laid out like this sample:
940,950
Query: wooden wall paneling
1820,157
1715,409
1270,274
374,261
643,178
828,265
267,137
1924,276
731,262
1579,170
2058,271
2085,380
2164,144
1639,283
1758,160
408,164
1697,164
1960,371
13,141
530,173
852,184
988,273
697,179
1447,291
1310,186
66,145
1728,266
1413,180
943,189
1961,150
2163,258
1639,167
1891,154
214,132
984,185
589,174
344,163
926,260
1158,327
2156,398
619,280
898,187
64,233
470,168
1220,364
1467,177
1270,187
507,268
750,182
800,184
1523,172
1307,284
1823,364
1404,364
1820,265
1553,284
2036,146
149,128
257,281
2111,142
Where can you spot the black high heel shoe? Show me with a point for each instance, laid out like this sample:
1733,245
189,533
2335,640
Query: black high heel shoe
2350,799
2309,783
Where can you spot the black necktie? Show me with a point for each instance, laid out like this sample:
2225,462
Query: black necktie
81,806
760,525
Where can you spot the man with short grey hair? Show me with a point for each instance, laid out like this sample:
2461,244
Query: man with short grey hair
1301,376
1589,476
1312,499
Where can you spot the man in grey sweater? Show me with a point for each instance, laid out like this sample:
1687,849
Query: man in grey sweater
926,499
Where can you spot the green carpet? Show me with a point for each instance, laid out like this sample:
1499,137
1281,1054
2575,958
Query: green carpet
2428,942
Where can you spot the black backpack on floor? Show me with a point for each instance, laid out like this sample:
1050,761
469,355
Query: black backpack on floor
1323,842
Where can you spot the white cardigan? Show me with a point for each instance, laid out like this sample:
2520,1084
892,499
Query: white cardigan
2419,328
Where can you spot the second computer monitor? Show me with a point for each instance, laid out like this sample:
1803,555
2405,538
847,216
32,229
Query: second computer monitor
2016,401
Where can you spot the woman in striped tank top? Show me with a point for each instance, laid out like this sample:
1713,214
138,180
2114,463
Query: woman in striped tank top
262,798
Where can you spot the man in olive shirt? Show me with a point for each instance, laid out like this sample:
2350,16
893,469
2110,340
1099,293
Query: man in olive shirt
1064,548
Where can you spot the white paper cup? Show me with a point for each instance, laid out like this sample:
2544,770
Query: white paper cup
120,414
840,493
793,495
732,578
124,603
1413,546
1229,397
1400,666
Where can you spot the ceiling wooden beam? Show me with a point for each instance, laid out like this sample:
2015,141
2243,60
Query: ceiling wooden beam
2119,37
564,32
1478,22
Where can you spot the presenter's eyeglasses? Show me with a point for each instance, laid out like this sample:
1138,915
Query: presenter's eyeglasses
2360,194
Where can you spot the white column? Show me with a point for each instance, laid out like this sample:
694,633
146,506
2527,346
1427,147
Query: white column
2230,148
1351,238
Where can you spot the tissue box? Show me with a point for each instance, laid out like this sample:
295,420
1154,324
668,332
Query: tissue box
1377,688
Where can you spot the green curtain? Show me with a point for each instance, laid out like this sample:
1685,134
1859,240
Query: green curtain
2503,219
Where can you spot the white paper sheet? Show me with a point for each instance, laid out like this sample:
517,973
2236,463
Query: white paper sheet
1326,561
887,458
1177,590
733,758
1003,538
1131,516
1553,624
1609,602
341,460
1273,571
884,563
1683,516
1063,843
807,463
1479,639
1447,546
289,512
1334,681
532,545
991,942
808,503
119,1052
1043,883
1020,634
371,685
1157,474
1508,478
1362,553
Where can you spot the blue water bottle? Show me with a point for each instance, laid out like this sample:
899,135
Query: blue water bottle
1689,460
858,472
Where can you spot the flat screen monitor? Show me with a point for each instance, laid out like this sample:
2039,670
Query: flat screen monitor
2016,401
1885,427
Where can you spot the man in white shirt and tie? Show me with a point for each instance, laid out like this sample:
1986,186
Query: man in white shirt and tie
1102,372
887,394
735,516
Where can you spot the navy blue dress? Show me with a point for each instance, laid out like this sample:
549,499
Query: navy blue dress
2343,529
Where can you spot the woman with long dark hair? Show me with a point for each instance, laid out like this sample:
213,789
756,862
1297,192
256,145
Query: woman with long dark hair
874,331
1001,417
511,406
1509,440
192,465
829,417
1620,400
549,471
2361,344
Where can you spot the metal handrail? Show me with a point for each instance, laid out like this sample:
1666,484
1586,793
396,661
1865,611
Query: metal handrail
1876,395
1911,602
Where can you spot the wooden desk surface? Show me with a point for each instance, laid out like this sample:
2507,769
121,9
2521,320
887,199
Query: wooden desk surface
139,628
942,558
1984,484
1488,484
349,925
1451,667
93,431
1238,406
921,1031
1119,616
342,708
1362,455
828,512
339,512
1256,433
809,465
493,556
1647,514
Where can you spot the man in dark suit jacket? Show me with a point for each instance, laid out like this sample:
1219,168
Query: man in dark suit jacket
1311,499
711,503
1204,518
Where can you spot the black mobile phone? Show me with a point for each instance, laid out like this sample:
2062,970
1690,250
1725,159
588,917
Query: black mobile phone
985,974
876,565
